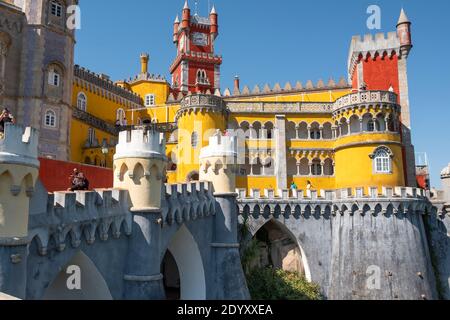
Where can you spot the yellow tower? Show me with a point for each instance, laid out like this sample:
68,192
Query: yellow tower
199,117
368,148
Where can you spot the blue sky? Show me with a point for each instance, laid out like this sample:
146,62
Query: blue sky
266,41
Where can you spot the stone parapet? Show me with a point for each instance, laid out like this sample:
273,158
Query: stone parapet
81,216
349,200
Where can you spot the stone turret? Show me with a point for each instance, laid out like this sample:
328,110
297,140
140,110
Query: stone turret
140,166
19,168
218,164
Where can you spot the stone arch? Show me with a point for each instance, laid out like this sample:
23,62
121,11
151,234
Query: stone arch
257,127
315,133
292,166
138,173
189,262
328,167
327,132
268,131
355,126
303,130
93,285
344,128
304,167
368,124
123,171
291,130
256,225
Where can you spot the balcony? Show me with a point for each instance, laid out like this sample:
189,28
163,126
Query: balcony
365,97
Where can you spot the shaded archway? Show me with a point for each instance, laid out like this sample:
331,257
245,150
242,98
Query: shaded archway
279,249
92,284
184,250
169,270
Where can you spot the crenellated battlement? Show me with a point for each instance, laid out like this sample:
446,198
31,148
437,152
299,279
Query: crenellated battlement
372,45
186,202
80,216
338,201
220,146
19,145
144,142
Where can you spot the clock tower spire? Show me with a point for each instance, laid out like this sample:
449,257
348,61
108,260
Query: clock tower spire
196,68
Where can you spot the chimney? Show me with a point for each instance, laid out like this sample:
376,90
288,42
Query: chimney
236,90
144,63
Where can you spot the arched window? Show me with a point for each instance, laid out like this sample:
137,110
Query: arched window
194,139
201,77
54,77
316,168
50,118
382,160
82,102
315,131
370,126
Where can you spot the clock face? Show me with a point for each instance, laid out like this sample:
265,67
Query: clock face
200,39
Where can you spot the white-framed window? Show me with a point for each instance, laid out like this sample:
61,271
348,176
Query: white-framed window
82,102
54,78
382,160
150,100
202,77
56,9
91,135
50,118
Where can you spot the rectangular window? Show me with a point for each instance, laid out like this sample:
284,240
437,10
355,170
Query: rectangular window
150,100
382,165
56,9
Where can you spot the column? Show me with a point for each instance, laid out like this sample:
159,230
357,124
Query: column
251,135
375,127
143,278
280,154
298,168
297,128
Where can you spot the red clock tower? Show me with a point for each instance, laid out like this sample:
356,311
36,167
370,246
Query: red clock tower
196,68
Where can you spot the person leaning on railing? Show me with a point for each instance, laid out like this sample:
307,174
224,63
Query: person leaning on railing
5,117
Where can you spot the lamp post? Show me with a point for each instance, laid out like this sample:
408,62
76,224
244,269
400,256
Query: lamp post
105,152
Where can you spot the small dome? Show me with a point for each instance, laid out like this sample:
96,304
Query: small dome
445,173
